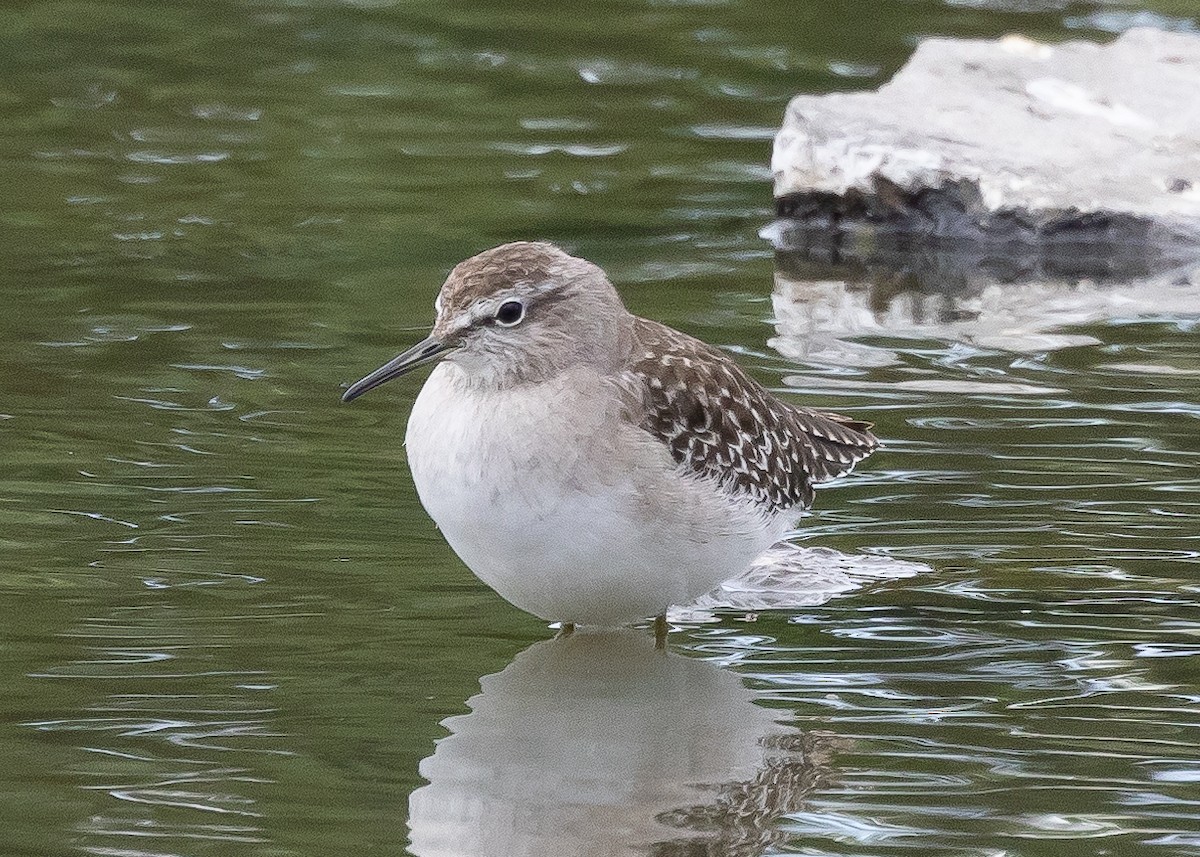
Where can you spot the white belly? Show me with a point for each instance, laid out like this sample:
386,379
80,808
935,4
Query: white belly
566,511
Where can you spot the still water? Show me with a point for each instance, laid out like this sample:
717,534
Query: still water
226,626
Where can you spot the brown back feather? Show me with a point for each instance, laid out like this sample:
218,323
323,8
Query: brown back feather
720,423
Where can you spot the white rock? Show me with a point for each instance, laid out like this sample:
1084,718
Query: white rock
1010,138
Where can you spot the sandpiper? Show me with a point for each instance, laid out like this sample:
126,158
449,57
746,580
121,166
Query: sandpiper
590,465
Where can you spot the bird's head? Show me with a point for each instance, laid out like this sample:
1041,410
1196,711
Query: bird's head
518,312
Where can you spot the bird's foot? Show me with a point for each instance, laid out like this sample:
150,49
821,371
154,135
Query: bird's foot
660,630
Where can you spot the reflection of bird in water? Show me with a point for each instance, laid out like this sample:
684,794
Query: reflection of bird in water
594,466
595,745
739,821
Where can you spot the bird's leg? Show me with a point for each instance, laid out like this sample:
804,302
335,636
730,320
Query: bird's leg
565,629
660,630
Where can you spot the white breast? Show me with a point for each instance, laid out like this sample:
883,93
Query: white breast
555,501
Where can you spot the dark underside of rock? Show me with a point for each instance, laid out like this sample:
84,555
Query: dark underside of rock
943,240
955,211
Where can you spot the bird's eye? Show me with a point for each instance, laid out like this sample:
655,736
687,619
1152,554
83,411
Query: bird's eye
510,313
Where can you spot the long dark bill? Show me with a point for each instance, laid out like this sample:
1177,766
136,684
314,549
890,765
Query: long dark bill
424,351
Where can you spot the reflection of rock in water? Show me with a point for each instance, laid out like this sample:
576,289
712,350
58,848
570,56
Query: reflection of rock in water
597,744
1009,296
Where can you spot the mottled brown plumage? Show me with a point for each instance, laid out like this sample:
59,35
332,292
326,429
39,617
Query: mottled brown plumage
720,423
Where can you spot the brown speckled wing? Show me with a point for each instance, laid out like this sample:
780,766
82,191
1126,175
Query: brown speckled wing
720,423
